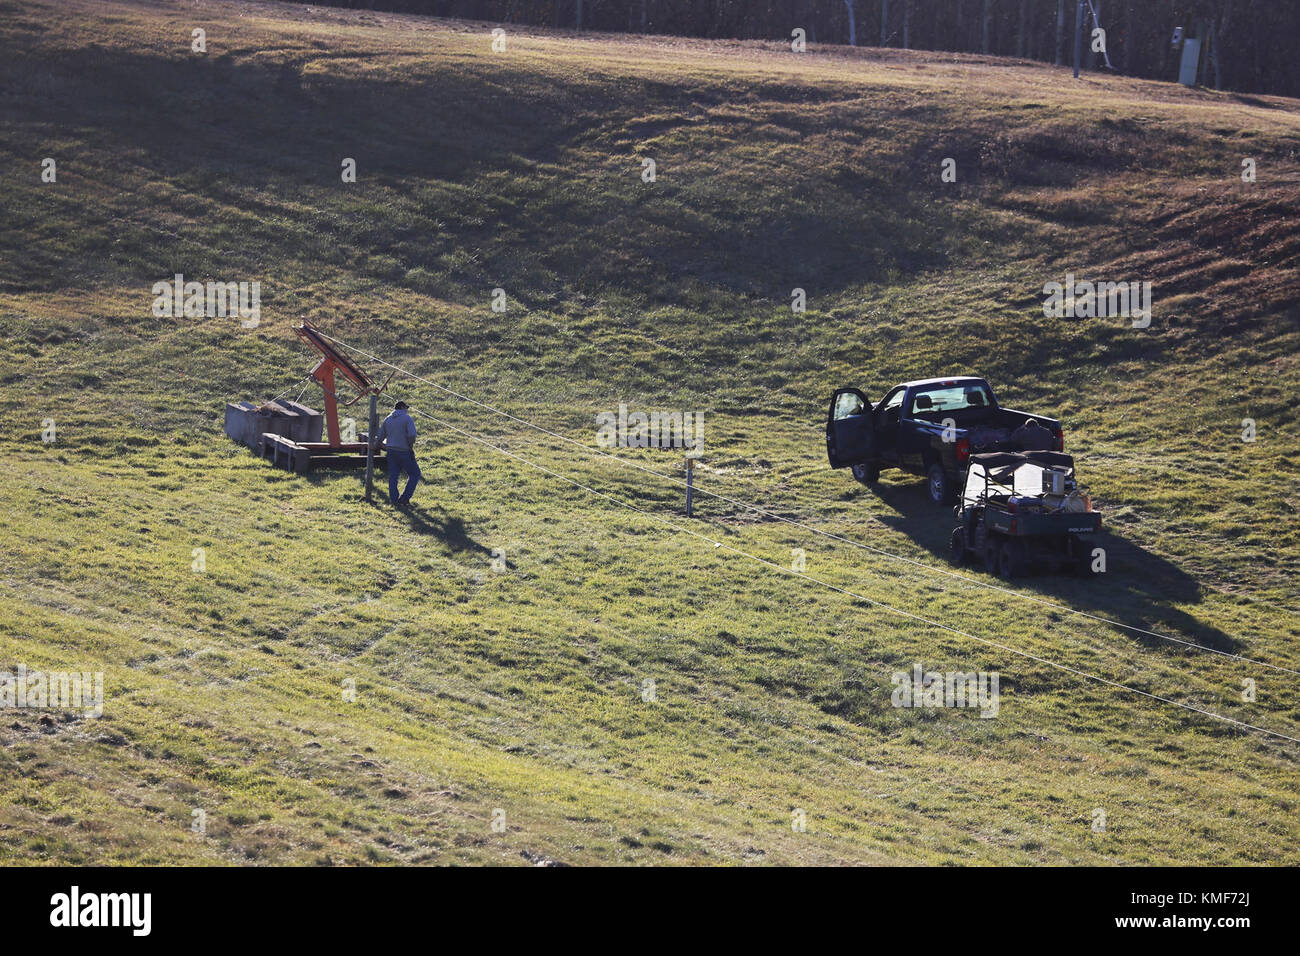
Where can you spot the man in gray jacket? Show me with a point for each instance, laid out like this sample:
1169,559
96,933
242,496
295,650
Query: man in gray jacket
398,430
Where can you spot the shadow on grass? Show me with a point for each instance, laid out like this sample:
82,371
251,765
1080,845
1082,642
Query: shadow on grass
447,528
458,172
1138,589
437,522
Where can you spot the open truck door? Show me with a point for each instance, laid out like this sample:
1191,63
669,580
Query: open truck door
850,429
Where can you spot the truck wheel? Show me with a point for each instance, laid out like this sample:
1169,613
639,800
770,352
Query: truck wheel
992,551
867,474
1010,564
957,547
940,487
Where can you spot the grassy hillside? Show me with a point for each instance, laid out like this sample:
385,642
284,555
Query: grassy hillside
522,690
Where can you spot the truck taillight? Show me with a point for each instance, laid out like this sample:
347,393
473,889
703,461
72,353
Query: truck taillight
963,449
1060,439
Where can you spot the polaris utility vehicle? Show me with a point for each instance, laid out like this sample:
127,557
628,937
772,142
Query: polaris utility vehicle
930,428
1023,511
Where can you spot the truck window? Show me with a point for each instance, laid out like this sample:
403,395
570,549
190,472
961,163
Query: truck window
944,399
887,411
848,405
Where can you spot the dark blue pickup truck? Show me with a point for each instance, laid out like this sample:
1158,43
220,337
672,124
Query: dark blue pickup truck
931,428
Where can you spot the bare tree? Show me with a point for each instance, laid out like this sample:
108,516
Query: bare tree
1060,28
1129,41
1095,11
1220,31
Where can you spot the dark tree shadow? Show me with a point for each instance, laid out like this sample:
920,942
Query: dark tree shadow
1138,589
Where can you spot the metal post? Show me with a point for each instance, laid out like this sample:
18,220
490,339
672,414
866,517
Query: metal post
690,484
1078,37
326,379
370,445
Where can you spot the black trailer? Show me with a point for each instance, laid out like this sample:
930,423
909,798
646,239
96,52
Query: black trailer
1020,511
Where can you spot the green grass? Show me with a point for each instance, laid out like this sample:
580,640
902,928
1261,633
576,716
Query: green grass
522,691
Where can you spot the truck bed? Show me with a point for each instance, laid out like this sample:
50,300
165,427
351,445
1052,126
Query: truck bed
989,429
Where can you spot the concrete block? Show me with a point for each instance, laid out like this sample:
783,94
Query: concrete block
245,422
309,426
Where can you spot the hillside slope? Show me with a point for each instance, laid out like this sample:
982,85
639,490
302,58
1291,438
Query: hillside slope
520,695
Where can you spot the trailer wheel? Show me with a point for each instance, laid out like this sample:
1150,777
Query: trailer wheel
939,486
867,474
957,546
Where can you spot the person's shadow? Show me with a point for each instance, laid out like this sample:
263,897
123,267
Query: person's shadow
1138,588
447,528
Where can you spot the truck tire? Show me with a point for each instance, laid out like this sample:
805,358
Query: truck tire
992,552
1011,559
957,553
939,485
867,474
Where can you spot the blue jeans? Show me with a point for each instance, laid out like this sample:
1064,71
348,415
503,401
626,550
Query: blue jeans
402,460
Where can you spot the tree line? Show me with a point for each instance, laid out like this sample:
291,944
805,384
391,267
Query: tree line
1247,45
